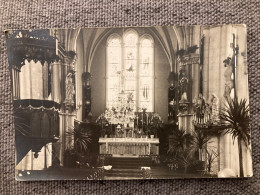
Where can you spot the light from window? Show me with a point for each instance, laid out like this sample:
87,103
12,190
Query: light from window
130,70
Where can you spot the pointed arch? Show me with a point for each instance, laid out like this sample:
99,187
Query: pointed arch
130,37
113,68
146,73
130,69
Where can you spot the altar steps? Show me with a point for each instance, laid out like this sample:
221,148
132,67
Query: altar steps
128,163
123,174
125,168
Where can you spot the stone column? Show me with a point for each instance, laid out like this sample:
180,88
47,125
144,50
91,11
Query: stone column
195,64
56,88
205,66
242,88
79,89
196,38
57,149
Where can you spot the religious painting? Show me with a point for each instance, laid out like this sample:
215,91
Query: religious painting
130,103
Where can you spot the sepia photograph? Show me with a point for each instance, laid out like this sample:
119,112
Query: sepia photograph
124,103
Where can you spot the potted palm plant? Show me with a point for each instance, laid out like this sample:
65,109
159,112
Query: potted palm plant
180,147
236,115
200,141
211,157
200,147
79,137
78,142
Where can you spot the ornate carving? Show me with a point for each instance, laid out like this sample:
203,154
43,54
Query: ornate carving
172,102
36,45
70,91
189,56
206,114
70,60
27,114
86,77
183,82
183,106
191,59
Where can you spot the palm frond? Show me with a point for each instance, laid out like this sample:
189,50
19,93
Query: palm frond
236,114
201,139
80,137
180,142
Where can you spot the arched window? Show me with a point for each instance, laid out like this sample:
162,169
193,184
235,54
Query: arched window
146,74
130,70
130,65
114,52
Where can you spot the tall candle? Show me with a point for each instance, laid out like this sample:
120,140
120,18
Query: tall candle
57,47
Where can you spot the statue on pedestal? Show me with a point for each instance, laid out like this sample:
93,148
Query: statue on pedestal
184,83
199,106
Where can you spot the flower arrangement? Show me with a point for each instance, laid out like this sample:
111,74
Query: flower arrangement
122,112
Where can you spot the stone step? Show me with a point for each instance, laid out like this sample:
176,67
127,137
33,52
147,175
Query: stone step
123,174
125,166
126,162
122,162
126,159
121,178
113,170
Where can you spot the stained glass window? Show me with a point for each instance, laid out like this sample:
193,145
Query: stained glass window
113,81
130,70
130,63
146,74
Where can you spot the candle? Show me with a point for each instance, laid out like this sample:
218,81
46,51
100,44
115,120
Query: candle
57,47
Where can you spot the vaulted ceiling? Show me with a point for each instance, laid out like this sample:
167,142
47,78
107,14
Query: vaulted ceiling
171,39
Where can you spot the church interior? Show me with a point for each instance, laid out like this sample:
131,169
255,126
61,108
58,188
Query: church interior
129,98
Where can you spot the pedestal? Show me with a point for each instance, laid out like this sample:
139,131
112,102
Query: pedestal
185,122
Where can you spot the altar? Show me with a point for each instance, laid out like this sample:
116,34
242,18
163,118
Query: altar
125,129
129,146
